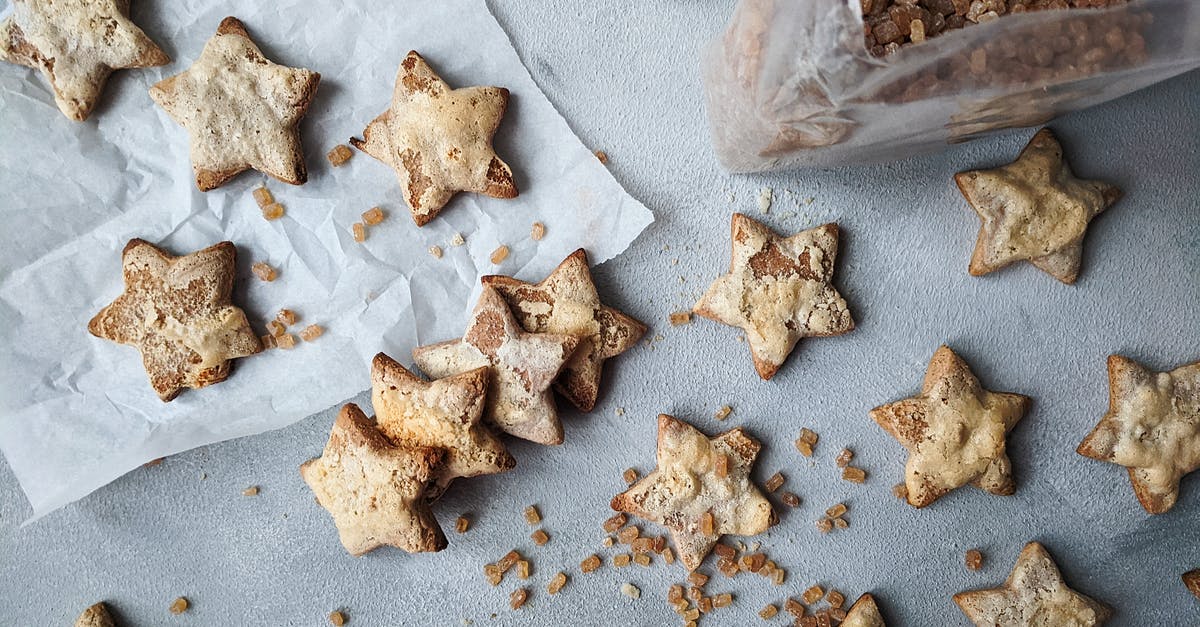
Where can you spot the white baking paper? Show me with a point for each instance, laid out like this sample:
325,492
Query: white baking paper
76,412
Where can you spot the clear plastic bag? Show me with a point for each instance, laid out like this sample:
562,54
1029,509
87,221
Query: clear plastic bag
791,83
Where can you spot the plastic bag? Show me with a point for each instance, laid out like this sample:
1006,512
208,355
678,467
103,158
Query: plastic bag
791,83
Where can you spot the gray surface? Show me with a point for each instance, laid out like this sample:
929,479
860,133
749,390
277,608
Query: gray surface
183,528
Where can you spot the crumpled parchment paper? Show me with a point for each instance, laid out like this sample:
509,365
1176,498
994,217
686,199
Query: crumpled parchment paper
77,412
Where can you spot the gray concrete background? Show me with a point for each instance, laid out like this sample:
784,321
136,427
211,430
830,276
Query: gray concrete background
183,528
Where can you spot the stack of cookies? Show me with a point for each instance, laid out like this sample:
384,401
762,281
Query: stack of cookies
378,477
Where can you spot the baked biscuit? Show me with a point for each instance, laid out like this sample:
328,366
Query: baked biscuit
778,290
1191,579
240,110
954,431
375,490
522,366
1152,428
1035,595
566,303
864,613
96,616
1033,209
443,414
177,311
439,140
700,490
76,44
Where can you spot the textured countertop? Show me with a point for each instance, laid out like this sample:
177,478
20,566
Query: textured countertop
183,527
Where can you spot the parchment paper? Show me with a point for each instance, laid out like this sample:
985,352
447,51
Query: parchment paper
77,412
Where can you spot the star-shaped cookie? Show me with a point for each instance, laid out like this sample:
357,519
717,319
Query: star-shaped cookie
76,44
1152,428
522,367
778,290
444,414
240,110
1191,579
693,488
1035,594
566,303
375,490
954,431
177,311
1034,210
439,140
864,613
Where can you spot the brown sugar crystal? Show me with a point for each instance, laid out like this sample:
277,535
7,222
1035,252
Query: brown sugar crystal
339,155
602,156
721,466
835,598
724,599
900,491
263,196
774,482
843,458
642,545
824,525
812,595
250,491
263,271
286,341
518,598
641,559
540,537
311,332
523,569
854,475
337,619
273,211
590,564
537,231
499,255
462,524
675,594
557,583
373,216
532,515
974,559
768,612
723,413
614,523
628,534
724,550
707,524
508,561
179,606
630,475
359,231
836,511
793,607
286,317
790,499
697,578
680,318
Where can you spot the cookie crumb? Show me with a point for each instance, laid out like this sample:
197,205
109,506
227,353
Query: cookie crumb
359,231
263,271
154,462
590,564
179,606
311,332
723,413
532,515
499,255
812,595
791,499
974,559
854,475
614,523
518,598
250,491
373,216
680,318
286,341
540,537
843,458
768,612
774,482
337,619
462,524
537,231
765,196
339,155
900,491
457,239
273,211
435,252
602,156
630,590
620,411
263,196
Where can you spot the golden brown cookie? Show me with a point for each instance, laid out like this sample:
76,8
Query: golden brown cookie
1191,579
240,110
954,431
76,44
778,290
177,311
1035,594
96,616
439,140
522,367
1152,428
443,414
375,490
566,303
864,613
700,490
1034,210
